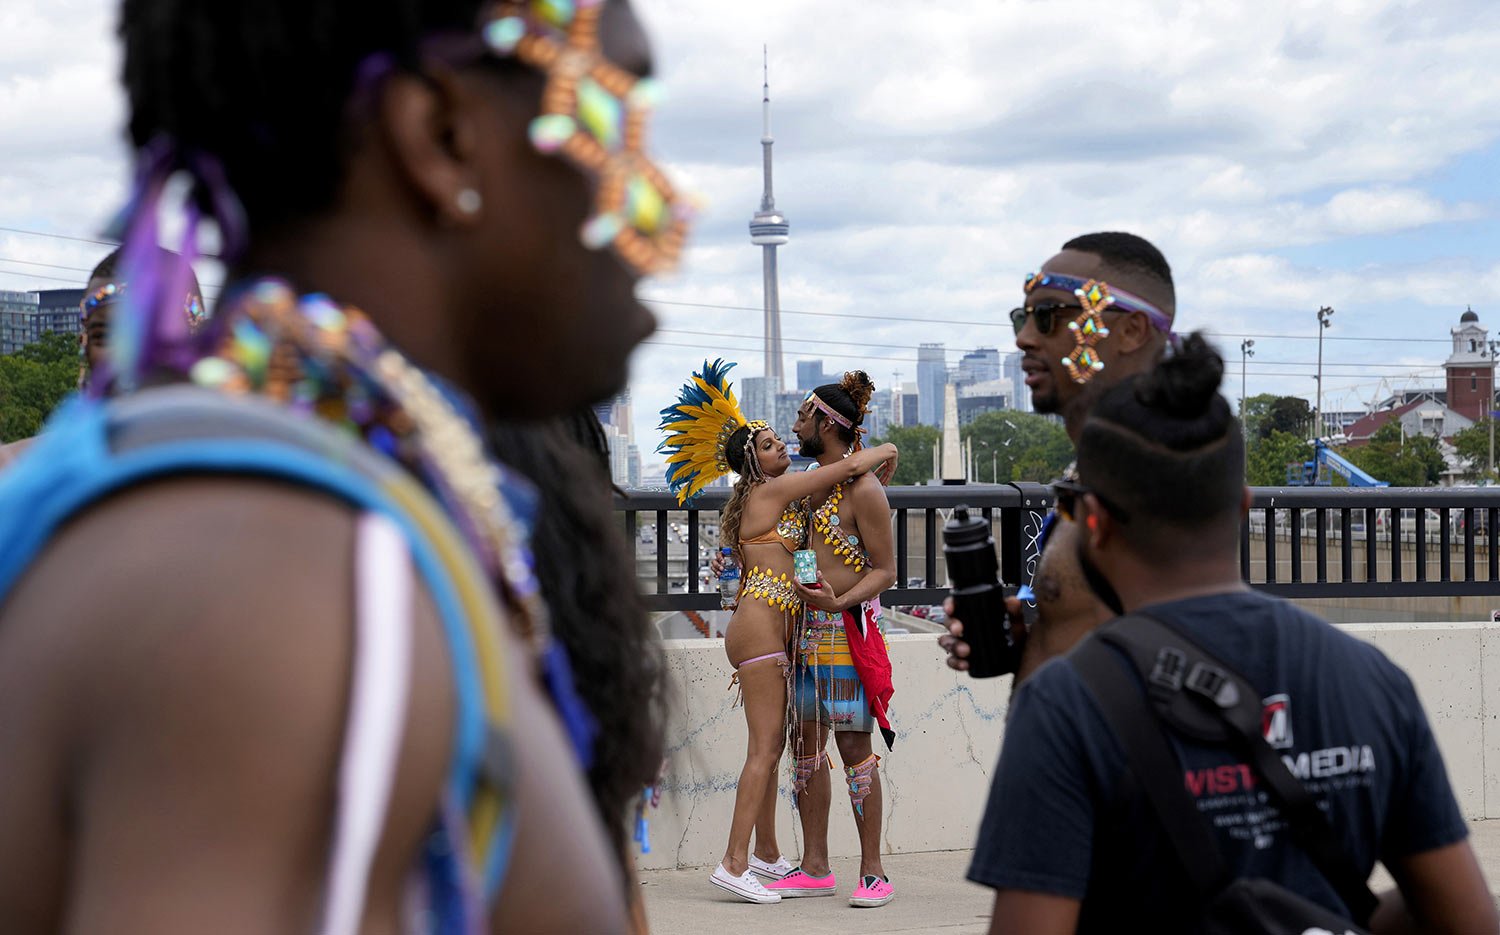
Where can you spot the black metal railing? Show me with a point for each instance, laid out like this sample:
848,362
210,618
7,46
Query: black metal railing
1304,542
1390,542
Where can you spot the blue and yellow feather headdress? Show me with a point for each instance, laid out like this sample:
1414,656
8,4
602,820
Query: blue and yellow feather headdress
698,427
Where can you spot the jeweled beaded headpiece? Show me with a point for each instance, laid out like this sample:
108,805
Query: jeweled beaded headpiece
594,115
698,428
1094,297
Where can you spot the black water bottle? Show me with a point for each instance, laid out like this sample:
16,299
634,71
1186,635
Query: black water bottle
978,596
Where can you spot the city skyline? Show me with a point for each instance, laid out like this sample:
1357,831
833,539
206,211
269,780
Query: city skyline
1285,157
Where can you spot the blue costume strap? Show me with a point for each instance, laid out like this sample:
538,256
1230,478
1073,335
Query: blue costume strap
74,464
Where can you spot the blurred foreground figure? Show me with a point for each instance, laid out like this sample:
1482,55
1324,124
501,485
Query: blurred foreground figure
306,686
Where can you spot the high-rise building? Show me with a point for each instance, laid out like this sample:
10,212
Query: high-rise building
978,366
768,230
975,399
810,375
879,419
932,376
757,400
905,404
787,405
1012,373
616,413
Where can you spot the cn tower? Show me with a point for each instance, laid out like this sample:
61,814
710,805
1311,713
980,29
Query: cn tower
768,230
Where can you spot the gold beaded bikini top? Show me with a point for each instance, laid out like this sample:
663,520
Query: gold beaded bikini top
826,523
790,530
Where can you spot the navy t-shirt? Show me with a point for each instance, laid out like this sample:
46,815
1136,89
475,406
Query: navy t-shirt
1066,817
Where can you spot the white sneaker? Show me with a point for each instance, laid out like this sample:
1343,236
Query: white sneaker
745,886
776,870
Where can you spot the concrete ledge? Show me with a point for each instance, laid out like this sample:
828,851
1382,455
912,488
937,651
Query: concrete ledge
950,726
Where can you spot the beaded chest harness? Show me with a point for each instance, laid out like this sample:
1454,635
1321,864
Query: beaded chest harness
826,523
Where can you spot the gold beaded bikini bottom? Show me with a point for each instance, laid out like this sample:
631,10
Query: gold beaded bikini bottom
774,589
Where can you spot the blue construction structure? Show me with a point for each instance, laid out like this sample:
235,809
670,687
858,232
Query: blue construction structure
1325,463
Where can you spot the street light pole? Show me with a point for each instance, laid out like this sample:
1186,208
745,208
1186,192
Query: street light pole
1490,416
1245,354
1324,314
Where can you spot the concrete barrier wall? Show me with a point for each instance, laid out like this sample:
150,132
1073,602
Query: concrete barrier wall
949,728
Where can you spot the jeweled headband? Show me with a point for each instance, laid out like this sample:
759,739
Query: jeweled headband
109,292
1124,301
1094,298
594,115
828,411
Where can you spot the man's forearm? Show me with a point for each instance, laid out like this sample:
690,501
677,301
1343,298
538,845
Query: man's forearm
875,583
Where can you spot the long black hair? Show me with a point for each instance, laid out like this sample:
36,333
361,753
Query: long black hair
587,574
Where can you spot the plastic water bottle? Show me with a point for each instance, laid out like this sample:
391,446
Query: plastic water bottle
729,580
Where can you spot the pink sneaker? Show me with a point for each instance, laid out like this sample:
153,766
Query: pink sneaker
799,883
872,892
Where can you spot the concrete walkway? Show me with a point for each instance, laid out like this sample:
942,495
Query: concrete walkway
932,896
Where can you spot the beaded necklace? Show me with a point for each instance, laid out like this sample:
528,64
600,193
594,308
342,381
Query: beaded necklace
825,521
331,362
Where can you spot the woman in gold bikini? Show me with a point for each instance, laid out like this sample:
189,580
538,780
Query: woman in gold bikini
764,522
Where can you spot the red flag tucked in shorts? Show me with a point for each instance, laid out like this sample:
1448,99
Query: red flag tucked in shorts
872,663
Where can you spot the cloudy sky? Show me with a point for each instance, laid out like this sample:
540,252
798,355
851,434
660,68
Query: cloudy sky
1284,154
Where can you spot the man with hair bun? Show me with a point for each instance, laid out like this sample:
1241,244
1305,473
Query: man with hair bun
1071,840
842,678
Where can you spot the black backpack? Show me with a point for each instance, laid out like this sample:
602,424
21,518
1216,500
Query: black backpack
1206,699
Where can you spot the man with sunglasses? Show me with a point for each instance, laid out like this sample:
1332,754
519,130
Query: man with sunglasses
1071,838
1098,312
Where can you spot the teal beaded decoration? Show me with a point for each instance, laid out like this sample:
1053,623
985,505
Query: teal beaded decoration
1088,330
594,114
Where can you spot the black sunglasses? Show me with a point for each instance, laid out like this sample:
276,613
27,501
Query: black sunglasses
1066,494
1047,314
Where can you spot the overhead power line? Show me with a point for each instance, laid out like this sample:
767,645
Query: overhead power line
31,233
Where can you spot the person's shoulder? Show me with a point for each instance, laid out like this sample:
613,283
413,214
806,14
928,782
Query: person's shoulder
212,547
13,450
1057,683
869,490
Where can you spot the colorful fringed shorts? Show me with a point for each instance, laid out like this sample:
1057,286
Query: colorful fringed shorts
825,687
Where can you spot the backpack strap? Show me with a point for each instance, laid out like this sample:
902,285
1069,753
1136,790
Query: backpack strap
1151,758
1179,673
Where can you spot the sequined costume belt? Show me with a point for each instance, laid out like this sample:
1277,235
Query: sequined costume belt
776,590
823,619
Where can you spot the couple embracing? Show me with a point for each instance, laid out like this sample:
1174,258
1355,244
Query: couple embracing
809,659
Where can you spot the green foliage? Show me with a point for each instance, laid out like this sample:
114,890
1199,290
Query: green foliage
1473,443
1269,457
915,443
1413,461
1253,413
33,381
1018,446
1268,413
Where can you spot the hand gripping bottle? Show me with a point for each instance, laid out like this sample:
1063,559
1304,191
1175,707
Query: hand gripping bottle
978,596
729,580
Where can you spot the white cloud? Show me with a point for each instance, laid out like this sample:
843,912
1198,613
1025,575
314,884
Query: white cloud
930,154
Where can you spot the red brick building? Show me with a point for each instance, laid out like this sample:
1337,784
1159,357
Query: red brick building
1471,369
